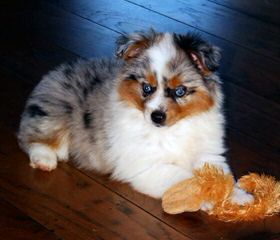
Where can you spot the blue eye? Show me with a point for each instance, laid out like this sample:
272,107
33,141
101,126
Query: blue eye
147,89
180,91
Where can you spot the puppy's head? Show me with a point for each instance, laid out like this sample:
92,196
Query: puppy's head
168,77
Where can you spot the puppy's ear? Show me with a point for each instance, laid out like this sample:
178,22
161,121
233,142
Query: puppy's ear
203,55
131,46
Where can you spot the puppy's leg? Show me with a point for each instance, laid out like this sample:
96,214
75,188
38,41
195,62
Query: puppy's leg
158,178
43,136
240,196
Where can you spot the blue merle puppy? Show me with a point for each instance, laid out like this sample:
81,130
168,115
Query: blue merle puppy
149,117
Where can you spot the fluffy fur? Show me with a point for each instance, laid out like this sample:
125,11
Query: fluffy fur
211,187
98,113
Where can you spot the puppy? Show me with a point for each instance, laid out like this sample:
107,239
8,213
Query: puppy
149,117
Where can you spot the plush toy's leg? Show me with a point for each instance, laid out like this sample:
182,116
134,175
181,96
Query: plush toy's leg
239,196
210,185
207,187
157,179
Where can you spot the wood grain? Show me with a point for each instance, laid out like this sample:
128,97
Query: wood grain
16,225
267,11
223,22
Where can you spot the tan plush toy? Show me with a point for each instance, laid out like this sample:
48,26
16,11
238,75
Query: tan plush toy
211,185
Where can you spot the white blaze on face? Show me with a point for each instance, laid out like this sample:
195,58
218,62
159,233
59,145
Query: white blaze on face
160,55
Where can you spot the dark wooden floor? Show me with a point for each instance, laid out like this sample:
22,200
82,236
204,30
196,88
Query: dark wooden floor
37,35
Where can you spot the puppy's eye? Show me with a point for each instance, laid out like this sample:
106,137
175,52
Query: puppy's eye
180,91
148,89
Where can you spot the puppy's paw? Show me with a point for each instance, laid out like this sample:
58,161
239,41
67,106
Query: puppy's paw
206,206
241,197
42,157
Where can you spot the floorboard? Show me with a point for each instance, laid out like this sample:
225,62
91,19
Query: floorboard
266,11
221,21
19,226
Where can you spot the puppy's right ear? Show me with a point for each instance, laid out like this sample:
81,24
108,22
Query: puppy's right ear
132,46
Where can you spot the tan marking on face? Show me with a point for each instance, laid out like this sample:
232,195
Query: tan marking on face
200,101
54,141
130,93
152,79
135,50
174,82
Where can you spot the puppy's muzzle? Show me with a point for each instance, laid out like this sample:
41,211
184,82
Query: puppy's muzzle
158,117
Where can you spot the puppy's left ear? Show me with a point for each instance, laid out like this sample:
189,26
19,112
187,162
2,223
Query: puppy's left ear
203,55
133,45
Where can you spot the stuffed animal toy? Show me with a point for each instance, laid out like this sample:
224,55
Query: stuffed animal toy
210,185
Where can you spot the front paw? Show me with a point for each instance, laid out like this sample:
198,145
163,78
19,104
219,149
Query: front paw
42,157
206,206
241,197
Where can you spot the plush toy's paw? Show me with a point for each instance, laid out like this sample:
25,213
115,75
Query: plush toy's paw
183,197
241,197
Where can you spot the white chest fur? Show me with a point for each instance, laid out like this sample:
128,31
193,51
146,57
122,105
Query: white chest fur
136,144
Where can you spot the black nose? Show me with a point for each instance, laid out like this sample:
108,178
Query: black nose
158,117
